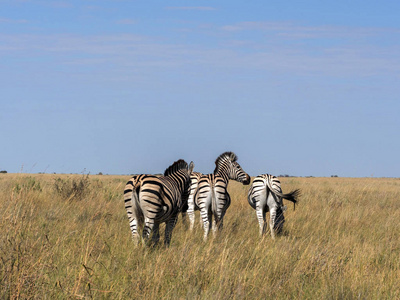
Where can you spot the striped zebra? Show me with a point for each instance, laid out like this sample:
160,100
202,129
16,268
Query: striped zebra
265,194
194,179
211,195
151,200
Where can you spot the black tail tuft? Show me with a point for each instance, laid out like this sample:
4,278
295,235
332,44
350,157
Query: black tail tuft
293,197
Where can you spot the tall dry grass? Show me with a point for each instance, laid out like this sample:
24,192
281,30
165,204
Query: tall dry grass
341,242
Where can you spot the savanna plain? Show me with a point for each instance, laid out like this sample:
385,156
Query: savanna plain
67,236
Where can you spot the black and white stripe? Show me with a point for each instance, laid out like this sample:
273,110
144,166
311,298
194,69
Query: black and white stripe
151,200
265,194
132,186
194,181
211,195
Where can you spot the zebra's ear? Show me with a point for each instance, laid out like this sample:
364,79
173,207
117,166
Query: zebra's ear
191,167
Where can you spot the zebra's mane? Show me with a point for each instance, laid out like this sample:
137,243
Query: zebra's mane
224,156
178,165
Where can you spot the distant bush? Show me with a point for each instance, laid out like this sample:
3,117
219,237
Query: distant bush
3,171
72,188
28,184
334,176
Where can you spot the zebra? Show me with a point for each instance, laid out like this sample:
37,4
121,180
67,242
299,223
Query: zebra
211,195
194,179
265,194
151,200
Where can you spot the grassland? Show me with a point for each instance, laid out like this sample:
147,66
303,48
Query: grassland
341,242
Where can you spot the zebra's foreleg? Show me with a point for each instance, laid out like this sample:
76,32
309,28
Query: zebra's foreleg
170,224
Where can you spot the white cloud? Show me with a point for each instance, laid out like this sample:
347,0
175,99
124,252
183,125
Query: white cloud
127,53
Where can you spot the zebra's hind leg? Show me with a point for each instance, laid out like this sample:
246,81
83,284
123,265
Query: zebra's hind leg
192,217
272,217
156,234
190,212
214,227
219,225
185,219
170,224
221,219
206,224
279,220
134,229
148,228
261,220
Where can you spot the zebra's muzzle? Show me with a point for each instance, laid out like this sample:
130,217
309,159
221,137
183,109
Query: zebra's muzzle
247,180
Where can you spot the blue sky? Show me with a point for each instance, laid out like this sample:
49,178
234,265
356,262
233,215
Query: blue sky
121,87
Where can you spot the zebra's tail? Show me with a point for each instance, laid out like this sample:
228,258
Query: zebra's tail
137,208
214,204
132,206
293,196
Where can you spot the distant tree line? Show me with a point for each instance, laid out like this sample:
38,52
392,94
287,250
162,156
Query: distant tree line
309,176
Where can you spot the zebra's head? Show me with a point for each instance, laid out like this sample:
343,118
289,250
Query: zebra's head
227,166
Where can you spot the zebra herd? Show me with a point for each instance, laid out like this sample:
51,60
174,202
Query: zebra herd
151,200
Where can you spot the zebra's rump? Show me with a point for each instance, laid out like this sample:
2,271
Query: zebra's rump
211,193
156,199
265,184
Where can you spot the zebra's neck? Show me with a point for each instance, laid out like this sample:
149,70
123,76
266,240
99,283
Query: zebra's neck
177,179
224,173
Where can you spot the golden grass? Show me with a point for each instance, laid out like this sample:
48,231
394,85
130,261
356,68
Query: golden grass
341,242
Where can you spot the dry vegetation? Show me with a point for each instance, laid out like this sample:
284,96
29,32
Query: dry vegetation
342,242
